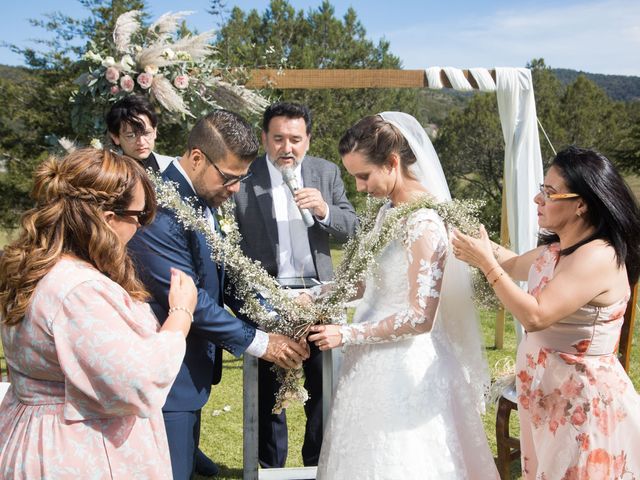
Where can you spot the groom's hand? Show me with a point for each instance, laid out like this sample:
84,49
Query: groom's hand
284,352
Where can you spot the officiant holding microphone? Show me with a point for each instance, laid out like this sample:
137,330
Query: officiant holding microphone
287,210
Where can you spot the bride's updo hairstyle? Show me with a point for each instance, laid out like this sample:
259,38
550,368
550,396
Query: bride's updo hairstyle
377,140
71,195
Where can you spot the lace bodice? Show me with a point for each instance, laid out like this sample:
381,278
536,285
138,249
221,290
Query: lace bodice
402,293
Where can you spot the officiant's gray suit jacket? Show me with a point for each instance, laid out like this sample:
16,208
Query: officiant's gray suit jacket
257,223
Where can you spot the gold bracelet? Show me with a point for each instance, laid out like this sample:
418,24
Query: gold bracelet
493,284
489,272
181,309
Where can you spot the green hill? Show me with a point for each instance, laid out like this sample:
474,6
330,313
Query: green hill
618,87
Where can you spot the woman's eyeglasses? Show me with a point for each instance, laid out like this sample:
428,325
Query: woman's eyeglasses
133,136
555,196
142,216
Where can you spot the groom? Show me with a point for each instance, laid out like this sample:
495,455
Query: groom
220,149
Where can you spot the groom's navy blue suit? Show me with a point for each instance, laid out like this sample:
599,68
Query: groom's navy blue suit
155,248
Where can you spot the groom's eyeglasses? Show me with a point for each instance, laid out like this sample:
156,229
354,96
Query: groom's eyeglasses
228,180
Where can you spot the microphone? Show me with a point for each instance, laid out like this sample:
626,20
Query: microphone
289,177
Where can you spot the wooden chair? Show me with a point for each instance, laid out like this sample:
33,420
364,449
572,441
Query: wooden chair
508,447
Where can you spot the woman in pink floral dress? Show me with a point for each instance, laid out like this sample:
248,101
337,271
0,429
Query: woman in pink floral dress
90,366
579,412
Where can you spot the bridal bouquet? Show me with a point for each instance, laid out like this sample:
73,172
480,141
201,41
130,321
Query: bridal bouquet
176,70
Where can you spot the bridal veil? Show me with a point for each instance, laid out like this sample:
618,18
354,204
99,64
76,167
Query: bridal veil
457,313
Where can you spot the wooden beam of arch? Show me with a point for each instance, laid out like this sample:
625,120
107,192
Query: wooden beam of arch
354,78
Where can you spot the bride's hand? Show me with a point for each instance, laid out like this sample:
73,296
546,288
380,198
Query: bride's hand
325,336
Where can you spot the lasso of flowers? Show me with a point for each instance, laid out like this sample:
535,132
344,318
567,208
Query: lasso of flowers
292,318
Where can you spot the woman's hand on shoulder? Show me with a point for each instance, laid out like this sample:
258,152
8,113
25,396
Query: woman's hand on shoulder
183,292
477,252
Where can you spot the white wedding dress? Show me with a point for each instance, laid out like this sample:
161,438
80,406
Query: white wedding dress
402,408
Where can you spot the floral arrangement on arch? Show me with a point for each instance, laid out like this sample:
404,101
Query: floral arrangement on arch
176,71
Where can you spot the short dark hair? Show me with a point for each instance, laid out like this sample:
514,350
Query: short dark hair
289,110
128,110
221,131
612,208
377,139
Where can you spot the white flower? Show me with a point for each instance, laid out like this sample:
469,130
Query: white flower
108,62
168,54
96,143
92,57
127,63
152,69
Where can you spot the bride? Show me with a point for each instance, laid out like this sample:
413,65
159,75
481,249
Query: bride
413,377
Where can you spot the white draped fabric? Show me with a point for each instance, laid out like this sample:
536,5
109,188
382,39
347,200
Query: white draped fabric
522,158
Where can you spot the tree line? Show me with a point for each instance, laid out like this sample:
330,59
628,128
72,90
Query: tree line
467,129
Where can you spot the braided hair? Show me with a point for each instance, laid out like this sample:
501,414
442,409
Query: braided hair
71,195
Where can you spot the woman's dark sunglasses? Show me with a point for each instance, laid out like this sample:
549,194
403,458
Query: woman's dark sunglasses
142,216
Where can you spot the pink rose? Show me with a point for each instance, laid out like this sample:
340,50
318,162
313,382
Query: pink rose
114,89
126,83
181,82
145,80
112,74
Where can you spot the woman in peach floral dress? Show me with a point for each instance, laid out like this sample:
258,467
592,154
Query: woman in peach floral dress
579,412
90,366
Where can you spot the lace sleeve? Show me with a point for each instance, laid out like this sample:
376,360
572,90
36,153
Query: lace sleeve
426,249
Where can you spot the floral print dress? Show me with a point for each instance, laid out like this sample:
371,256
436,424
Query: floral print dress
579,412
89,375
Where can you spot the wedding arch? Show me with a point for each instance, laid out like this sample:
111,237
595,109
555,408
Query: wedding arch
523,173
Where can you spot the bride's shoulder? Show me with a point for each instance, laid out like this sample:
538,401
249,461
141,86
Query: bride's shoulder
425,220
423,215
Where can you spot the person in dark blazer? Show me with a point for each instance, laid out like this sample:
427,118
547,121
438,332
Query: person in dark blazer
273,234
220,149
132,124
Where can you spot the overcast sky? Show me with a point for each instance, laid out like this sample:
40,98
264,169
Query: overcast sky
598,36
